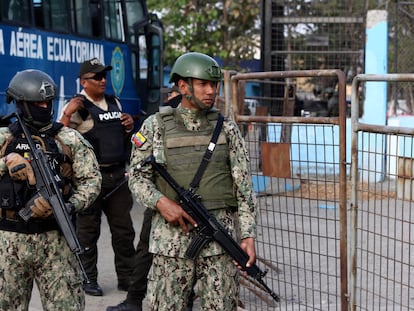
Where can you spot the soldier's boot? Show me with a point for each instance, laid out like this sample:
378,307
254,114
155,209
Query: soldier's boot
125,306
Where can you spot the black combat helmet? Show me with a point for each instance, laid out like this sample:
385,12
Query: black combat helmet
30,86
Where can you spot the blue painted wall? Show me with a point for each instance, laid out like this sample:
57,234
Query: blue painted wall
375,106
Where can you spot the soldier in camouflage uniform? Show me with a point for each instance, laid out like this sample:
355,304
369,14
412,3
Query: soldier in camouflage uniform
178,138
36,250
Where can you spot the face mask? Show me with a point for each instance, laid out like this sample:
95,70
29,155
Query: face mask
41,116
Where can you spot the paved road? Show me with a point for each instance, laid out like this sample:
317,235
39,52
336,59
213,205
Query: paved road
107,277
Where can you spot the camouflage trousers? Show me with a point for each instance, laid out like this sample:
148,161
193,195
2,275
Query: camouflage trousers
170,282
46,259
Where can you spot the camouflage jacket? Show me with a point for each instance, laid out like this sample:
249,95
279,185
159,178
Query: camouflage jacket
169,240
86,178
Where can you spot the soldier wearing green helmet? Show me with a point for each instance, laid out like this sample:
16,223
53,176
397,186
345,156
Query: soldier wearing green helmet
178,138
195,65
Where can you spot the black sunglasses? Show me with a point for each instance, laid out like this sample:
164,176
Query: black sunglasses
97,77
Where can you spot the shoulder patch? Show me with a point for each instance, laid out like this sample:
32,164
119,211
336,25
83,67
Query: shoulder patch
138,139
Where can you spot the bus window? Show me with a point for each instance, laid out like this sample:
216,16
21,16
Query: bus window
15,10
114,25
38,13
136,19
59,15
51,14
88,19
142,59
134,65
156,68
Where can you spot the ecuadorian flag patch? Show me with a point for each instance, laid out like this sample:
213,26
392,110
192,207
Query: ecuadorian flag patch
139,139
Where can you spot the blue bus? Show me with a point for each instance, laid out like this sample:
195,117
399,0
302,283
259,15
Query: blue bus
56,36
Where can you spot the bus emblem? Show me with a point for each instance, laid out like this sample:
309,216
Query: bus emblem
118,71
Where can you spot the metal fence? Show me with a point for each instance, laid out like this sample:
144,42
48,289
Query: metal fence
303,35
401,47
381,209
310,35
335,227
299,174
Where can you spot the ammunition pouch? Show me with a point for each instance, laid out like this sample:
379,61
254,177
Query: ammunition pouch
11,193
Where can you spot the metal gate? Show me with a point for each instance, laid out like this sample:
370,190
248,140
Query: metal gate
298,166
381,207
319,201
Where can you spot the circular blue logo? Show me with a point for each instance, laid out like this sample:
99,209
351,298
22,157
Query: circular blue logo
118,71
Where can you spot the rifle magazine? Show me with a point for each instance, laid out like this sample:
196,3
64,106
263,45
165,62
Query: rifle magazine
25,213
196,245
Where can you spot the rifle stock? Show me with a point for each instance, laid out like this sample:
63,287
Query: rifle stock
47,187
208,227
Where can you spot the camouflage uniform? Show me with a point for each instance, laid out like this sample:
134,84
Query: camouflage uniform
172,276
45,257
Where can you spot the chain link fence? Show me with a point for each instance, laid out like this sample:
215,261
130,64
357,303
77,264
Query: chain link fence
401,57
331,35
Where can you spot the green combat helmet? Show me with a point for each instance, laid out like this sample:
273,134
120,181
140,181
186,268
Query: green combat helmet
195,65
198,66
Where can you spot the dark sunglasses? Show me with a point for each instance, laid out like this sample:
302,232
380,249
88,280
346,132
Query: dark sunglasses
97,77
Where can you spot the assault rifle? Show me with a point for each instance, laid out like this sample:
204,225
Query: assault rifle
208,228
47,187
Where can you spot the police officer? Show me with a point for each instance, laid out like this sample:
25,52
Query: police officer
36,249
99,118
178,138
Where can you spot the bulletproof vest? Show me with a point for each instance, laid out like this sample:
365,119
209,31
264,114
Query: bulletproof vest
15,194
184,151
107,135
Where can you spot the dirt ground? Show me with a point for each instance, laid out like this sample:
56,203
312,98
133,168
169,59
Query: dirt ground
330,191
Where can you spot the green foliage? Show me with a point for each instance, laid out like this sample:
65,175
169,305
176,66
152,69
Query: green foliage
227,29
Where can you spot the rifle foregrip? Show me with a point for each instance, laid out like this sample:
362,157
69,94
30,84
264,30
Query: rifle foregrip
196,245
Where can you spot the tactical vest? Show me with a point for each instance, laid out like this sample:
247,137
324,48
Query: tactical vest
184,151
15,194
107,135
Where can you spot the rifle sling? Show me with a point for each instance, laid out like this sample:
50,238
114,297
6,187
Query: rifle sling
207,155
